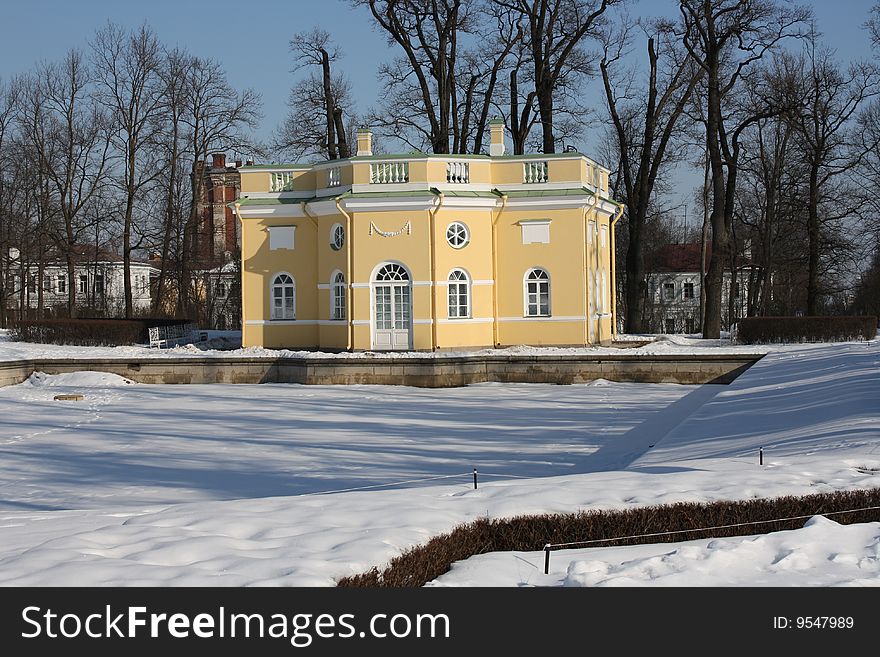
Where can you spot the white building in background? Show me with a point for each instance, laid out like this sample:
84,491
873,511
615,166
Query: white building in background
674,291
98,279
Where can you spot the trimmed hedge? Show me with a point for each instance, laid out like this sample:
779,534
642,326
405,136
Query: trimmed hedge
88,332
751,330
424,563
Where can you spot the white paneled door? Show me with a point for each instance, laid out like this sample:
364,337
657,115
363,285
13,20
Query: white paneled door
392,309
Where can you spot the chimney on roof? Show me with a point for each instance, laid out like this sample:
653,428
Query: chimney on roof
364,141
496,130
219,160
249,163
238,164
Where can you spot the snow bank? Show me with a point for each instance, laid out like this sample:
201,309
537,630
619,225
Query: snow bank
76,380
822,553
222,345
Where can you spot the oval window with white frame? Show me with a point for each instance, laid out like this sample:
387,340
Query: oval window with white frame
337,237
457,235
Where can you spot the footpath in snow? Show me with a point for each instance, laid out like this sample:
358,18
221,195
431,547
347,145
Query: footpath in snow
813,408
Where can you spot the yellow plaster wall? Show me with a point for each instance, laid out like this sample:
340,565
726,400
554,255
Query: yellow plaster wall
254,181
506,172
564,170
313,261
259,267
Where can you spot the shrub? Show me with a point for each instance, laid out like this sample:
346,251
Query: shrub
423,563
751,330
88,332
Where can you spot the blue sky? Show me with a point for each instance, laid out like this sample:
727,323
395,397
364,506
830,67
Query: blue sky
251,38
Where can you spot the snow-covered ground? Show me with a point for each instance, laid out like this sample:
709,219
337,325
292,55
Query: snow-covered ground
822,553
155,444
164,485
220,347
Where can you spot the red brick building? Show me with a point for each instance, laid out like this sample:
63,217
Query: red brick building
218,239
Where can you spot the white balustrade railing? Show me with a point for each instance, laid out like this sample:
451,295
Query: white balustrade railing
535,172
334,177
281,181
458,172
384,173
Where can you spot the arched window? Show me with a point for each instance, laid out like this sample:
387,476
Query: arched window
337,237
459,294
283,297
536,291
392,272
337,296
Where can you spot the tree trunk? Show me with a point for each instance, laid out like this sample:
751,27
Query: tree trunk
636,284
344,151
169,220
328,105
71,267
192,259
714,279
71,287
545,109
813,239
126,255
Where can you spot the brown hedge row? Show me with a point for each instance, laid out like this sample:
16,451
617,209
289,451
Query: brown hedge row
88,332
751,330
424,563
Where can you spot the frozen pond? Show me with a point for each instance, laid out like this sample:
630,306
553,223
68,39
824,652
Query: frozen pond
130,443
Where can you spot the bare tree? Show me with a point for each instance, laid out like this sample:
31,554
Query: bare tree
169,136
8,107
71,140
826,124
214,117
497,35
644,123
129,87
556,31
726,38
318,103
423,82
767,206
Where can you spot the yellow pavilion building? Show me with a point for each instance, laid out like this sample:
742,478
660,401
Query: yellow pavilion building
427,252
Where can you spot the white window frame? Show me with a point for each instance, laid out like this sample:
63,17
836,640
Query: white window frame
83,284
460,229
456,284
280,230
535,231
684,290
527,294
666,285
292,286
338,302
337,230
61,283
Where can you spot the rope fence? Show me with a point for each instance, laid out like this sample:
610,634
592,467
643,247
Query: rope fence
549,546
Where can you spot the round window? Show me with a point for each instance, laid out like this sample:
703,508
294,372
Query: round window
337,237
457,235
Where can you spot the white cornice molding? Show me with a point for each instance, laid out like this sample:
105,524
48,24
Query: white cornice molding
291,210
327,206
